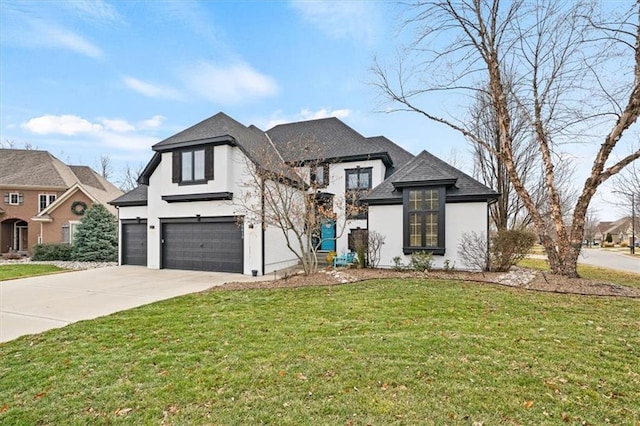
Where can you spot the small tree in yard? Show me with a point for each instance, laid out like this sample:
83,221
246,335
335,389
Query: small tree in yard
97,237
291,201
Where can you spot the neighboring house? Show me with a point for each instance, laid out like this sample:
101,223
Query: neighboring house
620,230
188,214
43,199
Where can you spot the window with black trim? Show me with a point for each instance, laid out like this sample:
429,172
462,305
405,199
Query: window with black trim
193,166
357,184
424,220
320,175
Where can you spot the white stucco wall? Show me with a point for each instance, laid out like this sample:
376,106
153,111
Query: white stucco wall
460,218
230,175
132,212
337,187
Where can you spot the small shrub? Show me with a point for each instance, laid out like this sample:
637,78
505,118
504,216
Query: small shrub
361,252
421,261
376,240
608,244
42,252
624,244
398,265
472,249
508,247
609,238
448,267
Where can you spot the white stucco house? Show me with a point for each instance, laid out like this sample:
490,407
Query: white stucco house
189,211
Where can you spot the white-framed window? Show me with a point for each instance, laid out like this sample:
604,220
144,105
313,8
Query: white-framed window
45,200
14,199
69,231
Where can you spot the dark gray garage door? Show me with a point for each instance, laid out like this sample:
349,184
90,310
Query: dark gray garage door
134,243
213,244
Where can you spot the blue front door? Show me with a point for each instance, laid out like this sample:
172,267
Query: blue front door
328,235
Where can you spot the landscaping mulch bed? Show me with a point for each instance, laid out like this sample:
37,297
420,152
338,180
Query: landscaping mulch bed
527,279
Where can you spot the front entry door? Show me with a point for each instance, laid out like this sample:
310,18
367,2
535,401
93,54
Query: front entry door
21,235
328,235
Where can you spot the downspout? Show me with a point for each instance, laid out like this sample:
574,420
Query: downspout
262,226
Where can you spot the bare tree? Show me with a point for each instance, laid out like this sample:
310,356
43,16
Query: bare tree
105,166
560,58
291,200
128,179
591,221
627,182
11,144
508,211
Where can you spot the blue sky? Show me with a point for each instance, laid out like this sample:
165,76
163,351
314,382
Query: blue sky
87,78
83,79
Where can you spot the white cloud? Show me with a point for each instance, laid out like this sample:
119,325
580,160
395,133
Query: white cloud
153,122
52,35
151,90
117,133
117,125
324,113
229,84
342,19
95,10
306,114
69,125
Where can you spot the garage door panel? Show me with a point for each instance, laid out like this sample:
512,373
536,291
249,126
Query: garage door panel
134,244
206,246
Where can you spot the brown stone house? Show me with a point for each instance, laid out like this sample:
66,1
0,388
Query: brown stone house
43,199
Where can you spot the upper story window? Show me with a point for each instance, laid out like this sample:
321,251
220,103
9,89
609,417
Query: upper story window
424,220
193,166
320,175
45,200
357,183
358,179
13,198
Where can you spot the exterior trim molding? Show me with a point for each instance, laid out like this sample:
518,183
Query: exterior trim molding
205,196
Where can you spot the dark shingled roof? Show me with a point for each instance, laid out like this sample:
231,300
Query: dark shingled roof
222,128
426,168
327,139
135,197
398,155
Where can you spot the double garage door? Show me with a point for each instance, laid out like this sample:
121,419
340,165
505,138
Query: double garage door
210,244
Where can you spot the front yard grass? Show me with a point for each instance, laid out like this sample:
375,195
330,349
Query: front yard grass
23,270
594,273
377,352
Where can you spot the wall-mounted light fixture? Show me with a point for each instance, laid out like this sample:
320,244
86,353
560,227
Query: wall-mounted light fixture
251,226
198,217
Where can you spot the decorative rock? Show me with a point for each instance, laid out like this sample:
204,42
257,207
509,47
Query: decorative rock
78,266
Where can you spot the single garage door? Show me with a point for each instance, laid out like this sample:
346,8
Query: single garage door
212,244
134,243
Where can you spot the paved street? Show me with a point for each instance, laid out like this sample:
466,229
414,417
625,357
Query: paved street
33,305
610,259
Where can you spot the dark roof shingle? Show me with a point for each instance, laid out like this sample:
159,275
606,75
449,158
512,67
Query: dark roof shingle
426,168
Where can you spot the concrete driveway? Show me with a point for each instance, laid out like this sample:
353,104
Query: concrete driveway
33,305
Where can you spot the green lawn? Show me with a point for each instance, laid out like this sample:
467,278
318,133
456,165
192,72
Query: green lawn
591,272
379,352
23,270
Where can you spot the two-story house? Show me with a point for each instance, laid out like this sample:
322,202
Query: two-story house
43,199
190,210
